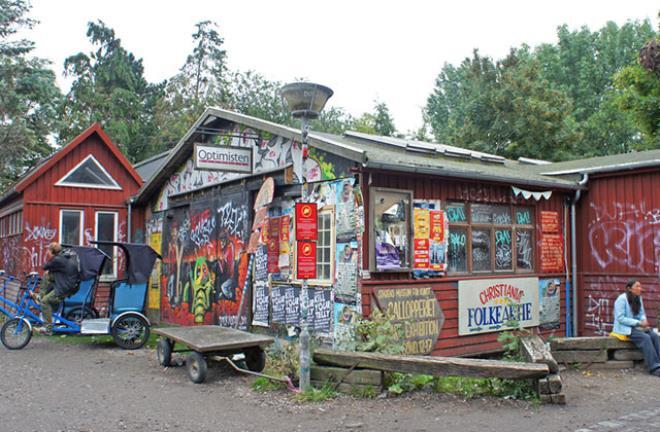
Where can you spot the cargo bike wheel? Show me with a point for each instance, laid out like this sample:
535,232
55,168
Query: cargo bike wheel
16,334
130,332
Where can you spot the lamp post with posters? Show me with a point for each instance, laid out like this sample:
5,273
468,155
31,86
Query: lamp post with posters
305,100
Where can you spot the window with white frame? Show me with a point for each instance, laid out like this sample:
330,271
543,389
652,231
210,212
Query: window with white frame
106,230
89,173
71,227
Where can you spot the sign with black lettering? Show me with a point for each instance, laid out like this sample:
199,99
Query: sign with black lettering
418,310
223,158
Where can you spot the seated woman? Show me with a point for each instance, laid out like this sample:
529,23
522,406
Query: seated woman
630,320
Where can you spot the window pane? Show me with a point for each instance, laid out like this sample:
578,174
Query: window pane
89,173
502,215
71,227
481,250
391,222
481,213
105,231
455,212
523,216
524,254
503,250
457,251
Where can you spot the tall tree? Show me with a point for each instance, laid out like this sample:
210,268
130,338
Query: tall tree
380,122
28,96
109,87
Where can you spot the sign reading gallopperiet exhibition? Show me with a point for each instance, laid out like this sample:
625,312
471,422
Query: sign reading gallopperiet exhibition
491,305
223,158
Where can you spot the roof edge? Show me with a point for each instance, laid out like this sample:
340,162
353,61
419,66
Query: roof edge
606,168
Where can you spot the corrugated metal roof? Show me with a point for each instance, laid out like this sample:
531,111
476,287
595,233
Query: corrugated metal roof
148,167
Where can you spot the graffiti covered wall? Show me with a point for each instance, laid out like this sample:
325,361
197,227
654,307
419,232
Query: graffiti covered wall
269,152
204,261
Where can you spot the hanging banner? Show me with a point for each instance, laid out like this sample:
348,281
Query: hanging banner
489,305
306,264
306,221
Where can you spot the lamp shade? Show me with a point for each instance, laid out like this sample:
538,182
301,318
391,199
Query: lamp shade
306,99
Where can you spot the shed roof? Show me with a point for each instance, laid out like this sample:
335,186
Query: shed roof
602,164
148,167
371,151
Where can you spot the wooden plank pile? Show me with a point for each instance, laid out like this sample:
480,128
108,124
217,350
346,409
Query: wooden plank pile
549,387
347,380
595,352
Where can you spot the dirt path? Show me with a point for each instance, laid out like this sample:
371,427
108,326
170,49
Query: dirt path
52,386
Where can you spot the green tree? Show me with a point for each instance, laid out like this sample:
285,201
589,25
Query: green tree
28,96
639,94
383,121
109,87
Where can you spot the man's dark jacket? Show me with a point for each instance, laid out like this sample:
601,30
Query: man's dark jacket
64,270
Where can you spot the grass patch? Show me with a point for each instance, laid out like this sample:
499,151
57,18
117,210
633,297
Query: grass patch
317,395
367,392
263,385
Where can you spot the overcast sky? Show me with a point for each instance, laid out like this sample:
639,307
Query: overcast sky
364,50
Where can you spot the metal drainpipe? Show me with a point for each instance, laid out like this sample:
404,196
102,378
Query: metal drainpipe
128,225
578,193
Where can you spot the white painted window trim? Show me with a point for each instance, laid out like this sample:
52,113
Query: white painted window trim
114,238
64,183
81,226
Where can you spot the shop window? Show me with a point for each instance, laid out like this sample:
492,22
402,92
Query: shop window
106,230
71,227
390,229
486,238
89,173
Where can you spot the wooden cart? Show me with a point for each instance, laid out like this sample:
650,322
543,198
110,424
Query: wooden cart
210,342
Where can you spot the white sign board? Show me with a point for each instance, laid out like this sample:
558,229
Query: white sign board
492,304
223,158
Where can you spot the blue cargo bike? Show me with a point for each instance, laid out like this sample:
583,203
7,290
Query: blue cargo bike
125,319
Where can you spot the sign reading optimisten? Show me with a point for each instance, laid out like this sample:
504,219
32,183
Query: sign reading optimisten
490,305
223,158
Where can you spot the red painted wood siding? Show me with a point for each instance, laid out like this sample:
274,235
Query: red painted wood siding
43,202
618,239
446,289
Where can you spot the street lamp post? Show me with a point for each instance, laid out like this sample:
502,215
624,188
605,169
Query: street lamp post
306,100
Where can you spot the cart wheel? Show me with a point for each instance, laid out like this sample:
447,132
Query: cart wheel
130,332
78,314
197,367
164,352
255,359
15,334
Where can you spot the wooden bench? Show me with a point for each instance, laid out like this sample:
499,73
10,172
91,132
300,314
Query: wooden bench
599,351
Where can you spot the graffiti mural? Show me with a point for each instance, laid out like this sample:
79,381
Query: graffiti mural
625,235
269,152
35,244
204,261
598,315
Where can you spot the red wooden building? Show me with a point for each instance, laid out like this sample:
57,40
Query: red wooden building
618,233
76,195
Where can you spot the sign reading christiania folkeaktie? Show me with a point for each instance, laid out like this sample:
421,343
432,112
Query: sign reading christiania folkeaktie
490,305
223,158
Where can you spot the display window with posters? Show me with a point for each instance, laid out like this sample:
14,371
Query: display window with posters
390,229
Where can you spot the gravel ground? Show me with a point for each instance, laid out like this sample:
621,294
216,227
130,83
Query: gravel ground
53,386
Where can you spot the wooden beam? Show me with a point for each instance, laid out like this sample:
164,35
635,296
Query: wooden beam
356,376
535,351
589,343
628,354
586,356
436,366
